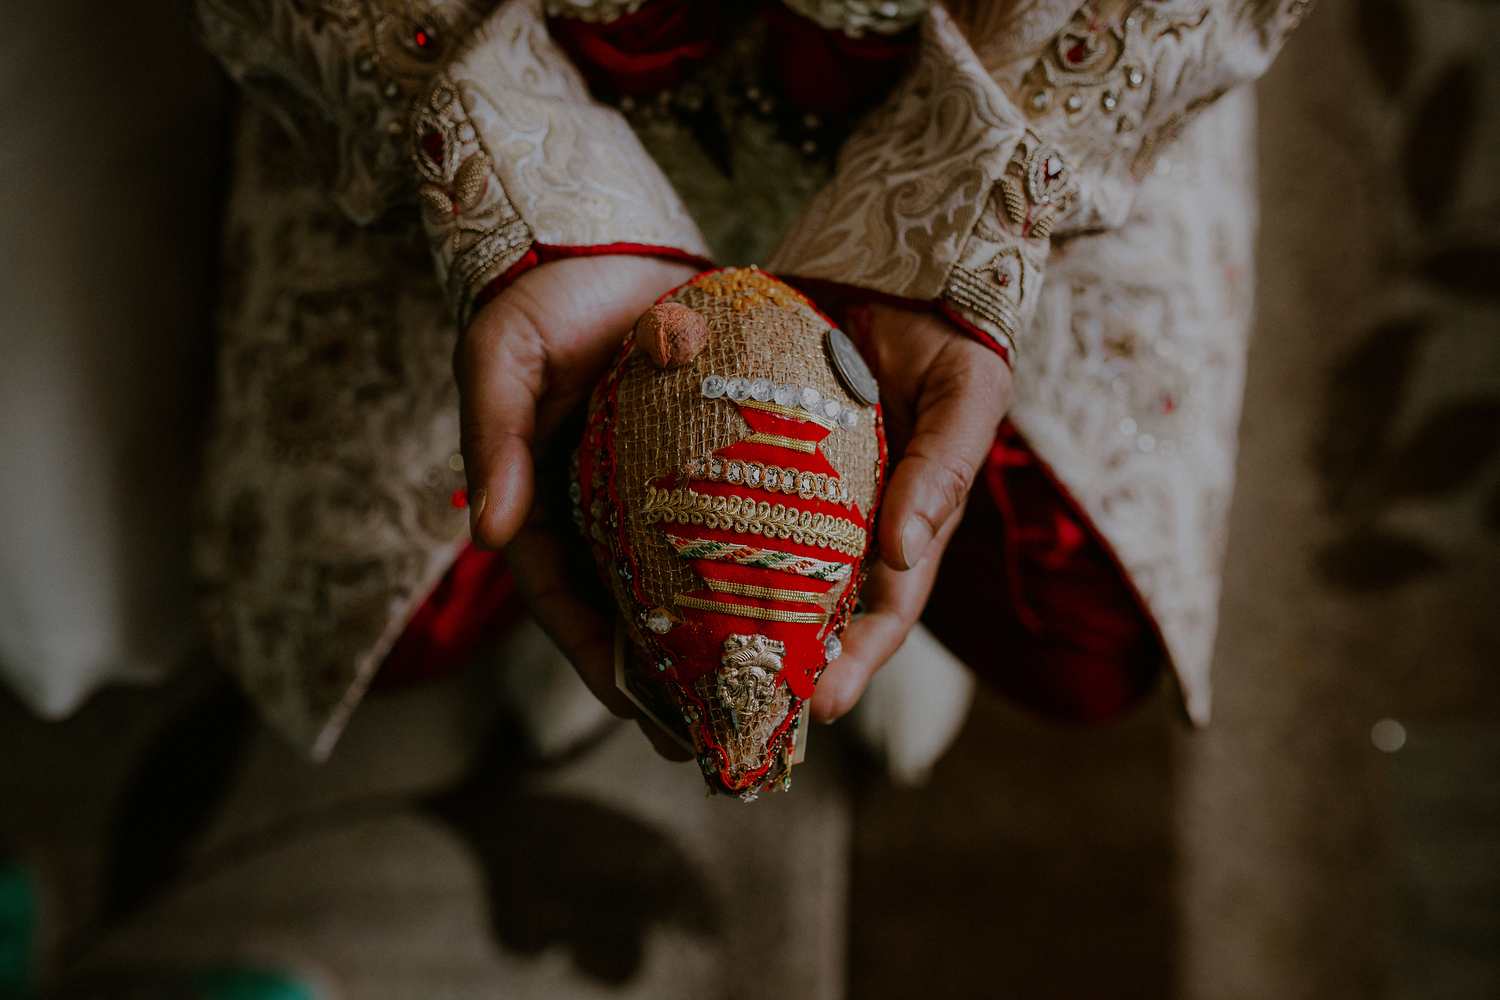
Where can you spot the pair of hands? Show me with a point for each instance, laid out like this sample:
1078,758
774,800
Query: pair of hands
535,352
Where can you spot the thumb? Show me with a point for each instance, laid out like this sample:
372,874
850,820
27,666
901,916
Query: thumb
961,399
500,366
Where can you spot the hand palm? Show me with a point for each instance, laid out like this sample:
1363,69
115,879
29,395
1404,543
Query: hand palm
535,352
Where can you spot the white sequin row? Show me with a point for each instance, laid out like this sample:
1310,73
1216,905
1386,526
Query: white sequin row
758,475
763,390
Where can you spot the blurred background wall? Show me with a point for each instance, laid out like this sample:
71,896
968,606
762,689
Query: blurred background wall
110,182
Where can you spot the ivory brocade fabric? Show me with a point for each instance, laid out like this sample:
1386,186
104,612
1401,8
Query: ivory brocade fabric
1020,129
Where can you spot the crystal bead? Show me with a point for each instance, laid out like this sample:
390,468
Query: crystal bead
807,483
785,395
832,647
714,386
831,408
738,389
1040,100
659,621
848,419
752,475
809,398
715,468
1135,77
1109,100
733,472
1054,165
760,390
1074,102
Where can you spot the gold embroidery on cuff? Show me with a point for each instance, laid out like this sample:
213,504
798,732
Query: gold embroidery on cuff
475,231
992,284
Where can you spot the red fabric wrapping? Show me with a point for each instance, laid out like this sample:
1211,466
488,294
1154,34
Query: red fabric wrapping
1029,596
474,604
825,72
642,53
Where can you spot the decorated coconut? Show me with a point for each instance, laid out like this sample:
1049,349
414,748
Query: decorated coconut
728,477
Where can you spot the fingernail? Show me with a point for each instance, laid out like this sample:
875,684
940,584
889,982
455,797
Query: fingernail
914,538
476,510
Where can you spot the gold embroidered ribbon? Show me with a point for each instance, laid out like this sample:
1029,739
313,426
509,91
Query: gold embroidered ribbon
765,593
790,412
752,611
778,441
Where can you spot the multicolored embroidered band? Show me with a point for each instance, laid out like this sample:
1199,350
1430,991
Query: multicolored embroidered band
759,558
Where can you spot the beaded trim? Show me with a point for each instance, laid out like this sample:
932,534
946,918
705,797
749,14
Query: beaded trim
743,514
748,555
797,402
753,611
782,441
791,413
765,593
771,478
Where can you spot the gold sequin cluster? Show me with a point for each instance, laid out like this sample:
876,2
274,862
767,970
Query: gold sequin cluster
744,515
747,287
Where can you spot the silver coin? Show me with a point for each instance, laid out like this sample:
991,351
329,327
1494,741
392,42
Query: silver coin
851,368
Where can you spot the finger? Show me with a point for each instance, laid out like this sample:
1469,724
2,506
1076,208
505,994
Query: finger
960,400
585,637
528,358
894,601
664,744
500,366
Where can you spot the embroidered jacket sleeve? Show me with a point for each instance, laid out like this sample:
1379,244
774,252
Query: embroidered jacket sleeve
1018,123
469,107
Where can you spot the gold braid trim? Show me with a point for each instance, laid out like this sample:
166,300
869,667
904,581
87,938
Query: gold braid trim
792,412
751,611
777,441
766,593
744,515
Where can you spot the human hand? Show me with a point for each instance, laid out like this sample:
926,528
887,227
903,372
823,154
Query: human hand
943,396
526,360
